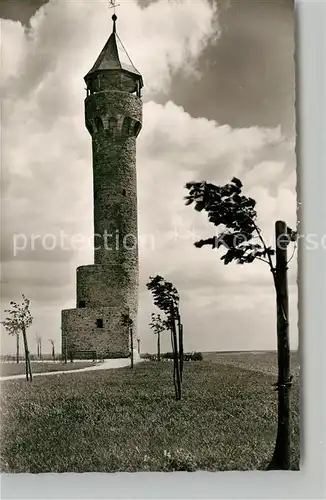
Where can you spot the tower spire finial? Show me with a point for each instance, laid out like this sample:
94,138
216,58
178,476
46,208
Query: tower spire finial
114,18
113,6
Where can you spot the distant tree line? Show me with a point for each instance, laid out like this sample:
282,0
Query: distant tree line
187,356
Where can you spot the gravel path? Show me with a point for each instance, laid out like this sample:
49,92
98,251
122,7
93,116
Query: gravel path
107,364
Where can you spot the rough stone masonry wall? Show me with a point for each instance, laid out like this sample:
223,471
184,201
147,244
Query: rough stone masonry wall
115,202
80,330
114,118
109,288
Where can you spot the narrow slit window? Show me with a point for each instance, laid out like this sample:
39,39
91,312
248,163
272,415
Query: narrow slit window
99,323
124,192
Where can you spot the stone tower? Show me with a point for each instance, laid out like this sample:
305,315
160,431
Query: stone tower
108,289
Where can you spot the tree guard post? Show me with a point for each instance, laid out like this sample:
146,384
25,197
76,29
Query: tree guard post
282,453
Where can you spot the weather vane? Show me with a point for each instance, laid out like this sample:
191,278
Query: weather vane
113,5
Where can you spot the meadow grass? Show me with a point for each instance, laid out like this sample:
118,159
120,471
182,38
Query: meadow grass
128,420
262,361
9,369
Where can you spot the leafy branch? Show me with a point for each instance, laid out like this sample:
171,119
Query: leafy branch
227,206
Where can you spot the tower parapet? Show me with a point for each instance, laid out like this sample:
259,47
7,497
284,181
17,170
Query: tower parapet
113,113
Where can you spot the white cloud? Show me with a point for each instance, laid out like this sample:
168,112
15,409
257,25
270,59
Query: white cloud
47,168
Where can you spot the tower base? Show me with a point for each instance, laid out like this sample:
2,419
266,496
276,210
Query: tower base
100,330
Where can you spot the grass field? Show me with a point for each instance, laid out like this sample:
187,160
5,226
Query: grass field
124,420
8,369
262,361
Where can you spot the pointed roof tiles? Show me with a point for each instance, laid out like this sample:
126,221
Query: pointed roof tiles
114,57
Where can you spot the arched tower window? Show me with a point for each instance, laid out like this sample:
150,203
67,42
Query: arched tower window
124,192
137,128
89,127
126,126
99,124
112,124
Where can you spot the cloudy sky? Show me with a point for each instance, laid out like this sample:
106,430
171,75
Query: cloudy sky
218,102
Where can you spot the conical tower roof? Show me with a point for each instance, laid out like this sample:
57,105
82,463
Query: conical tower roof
114,57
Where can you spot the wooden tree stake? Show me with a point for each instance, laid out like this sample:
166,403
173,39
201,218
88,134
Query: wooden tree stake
282,453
